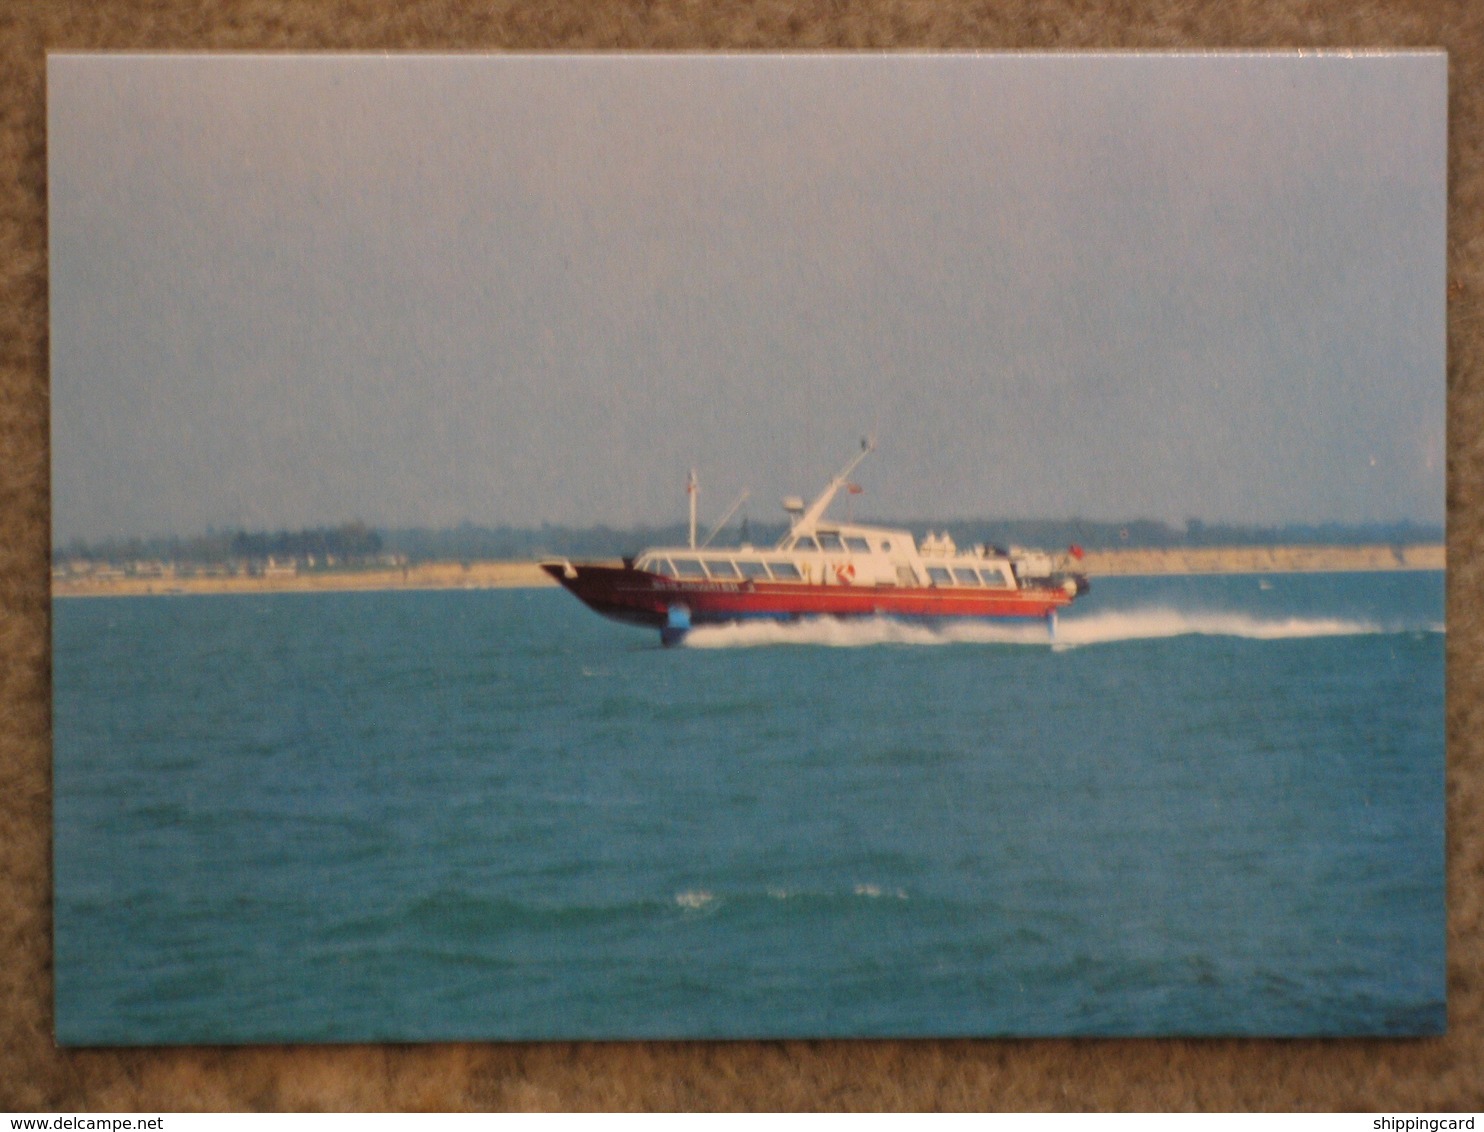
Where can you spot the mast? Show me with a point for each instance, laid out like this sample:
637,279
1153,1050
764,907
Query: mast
815,511
691,490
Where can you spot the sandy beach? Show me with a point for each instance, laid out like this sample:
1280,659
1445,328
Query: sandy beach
1264,559
425,576
496,575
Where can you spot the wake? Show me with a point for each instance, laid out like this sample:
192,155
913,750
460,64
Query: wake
1071,632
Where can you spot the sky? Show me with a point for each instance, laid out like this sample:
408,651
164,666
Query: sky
294,290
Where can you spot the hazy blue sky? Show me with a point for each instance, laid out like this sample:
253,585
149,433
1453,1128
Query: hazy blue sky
294,290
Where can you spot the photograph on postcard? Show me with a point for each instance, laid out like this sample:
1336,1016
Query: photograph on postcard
747,546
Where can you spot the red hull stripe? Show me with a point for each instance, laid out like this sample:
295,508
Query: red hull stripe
633,595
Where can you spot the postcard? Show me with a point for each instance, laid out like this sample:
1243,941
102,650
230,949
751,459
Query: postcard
747,546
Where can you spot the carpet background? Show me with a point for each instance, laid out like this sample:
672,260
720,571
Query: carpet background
1432,1074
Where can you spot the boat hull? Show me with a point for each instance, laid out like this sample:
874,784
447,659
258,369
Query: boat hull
637,597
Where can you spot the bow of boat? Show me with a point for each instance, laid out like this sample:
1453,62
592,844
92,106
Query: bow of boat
620,592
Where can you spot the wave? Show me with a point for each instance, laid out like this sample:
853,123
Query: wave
1107,627
1156,624
453,917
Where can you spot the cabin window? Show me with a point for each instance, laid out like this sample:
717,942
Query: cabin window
995,577
806,542
660,566
831,542
939,576
885,546
753,570
965,576
785,571
857,544
721,568
689,568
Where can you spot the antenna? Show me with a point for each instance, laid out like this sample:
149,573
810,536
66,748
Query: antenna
804,524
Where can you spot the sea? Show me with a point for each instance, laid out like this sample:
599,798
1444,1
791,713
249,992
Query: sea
1205,806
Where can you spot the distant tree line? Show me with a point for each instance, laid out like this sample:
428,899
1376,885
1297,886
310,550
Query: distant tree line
468,542
355,542
1151,533
350,543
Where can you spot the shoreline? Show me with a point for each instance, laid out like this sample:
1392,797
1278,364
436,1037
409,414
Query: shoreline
521,574
1264,560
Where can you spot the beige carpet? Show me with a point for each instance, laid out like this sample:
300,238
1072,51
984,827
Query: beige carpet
1378,1075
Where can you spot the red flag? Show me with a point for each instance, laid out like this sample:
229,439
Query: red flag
1075,551
854,488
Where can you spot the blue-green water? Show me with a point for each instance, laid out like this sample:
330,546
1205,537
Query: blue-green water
1215,807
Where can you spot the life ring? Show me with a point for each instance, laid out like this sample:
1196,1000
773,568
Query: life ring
845,573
